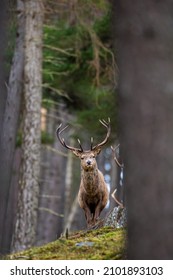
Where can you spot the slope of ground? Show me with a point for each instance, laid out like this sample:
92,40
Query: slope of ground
102,244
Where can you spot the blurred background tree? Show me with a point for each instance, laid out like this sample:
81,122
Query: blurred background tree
78,50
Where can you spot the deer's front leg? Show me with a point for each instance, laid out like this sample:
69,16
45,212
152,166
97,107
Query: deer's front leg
97,213
89,218
88,215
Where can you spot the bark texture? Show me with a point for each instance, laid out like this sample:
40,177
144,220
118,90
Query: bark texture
3,43
145,59
68,184
25,228
10,125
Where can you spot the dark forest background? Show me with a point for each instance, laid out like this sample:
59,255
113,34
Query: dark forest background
77,62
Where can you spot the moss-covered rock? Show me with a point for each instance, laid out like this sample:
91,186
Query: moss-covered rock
102,244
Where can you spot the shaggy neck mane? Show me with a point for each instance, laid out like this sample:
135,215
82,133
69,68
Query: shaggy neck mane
90,180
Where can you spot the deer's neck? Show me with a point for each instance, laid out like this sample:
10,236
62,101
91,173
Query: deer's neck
90,180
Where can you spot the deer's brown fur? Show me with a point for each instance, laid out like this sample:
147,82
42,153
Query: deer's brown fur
93,193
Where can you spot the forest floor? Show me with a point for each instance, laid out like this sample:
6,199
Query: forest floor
105,243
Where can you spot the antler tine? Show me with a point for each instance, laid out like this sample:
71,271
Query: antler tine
107,125
92,143
103,122
115,157
80,145
62,141
116,200
58,132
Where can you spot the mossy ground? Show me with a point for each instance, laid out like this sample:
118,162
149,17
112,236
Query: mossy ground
107,244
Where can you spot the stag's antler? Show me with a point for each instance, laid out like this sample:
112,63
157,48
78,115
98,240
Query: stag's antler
115,157
121,165
107,125
59,131
116,200
103,122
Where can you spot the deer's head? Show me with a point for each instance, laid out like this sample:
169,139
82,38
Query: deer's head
88,161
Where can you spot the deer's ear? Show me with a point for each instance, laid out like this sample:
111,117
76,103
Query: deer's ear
97,151
77,153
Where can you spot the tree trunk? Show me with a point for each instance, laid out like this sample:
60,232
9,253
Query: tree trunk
3,37
73,213
52,190
25,228
145,59
10,125
68,184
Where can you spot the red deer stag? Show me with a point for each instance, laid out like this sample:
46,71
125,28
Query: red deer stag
93,193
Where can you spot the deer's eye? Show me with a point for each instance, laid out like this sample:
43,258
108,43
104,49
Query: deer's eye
82,157
93,156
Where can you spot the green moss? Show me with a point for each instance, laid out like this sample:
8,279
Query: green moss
107,244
